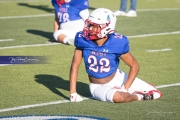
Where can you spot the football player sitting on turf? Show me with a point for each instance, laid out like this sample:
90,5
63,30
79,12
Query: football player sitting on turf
69,19
102,48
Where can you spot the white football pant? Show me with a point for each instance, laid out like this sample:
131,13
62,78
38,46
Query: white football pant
105,92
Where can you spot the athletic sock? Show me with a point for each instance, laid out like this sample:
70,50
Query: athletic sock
65,41
139,96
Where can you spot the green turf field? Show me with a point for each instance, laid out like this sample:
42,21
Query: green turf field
26,28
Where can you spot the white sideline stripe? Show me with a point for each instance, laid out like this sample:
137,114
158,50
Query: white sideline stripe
169,85
163,9
161,50
44,15
4,64
4,40
156,34
136,36
35,45
27,16
65,101
21,1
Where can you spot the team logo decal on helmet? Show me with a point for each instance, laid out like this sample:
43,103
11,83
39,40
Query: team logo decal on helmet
108,18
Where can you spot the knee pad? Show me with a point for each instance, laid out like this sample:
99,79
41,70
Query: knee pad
58,32
55,35
110,94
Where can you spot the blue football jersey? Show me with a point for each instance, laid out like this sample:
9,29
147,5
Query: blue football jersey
102,61
70,11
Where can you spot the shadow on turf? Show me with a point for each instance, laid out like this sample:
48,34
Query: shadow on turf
54,82
44,7
40,7
48,35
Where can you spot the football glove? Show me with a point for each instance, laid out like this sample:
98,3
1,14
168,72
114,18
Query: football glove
74,97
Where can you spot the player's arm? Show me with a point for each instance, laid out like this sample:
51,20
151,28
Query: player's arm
83,6
76,61
134,68
84,14
56,23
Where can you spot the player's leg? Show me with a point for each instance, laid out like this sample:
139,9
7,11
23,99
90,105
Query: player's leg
142,87
64,36
123,97
123,5
147,91
133,5
110,94
122,9
132,10
59,36
84,14
68,31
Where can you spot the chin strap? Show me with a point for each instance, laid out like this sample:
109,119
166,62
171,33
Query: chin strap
96,37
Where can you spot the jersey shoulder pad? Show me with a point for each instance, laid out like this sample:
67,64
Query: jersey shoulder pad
54,3
119,41
80,41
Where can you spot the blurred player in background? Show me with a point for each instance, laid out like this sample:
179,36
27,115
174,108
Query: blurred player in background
123,8
102,49
69,19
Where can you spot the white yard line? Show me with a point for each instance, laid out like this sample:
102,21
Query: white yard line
27,16
162,9
135,36
161,50
4,64
65,101
35,45
3,1
44,15
168,85
156,34
5,40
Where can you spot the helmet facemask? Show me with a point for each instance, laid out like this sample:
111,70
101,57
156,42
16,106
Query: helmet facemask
93,31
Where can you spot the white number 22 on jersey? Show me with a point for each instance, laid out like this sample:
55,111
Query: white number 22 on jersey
104,64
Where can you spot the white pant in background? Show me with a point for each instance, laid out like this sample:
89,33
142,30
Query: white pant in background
69,29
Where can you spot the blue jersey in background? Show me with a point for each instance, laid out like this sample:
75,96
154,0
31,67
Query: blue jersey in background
70,11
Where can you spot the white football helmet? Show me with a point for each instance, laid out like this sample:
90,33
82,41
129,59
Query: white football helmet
100,17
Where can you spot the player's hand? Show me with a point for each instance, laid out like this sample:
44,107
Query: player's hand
126,90
74,97
123,89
